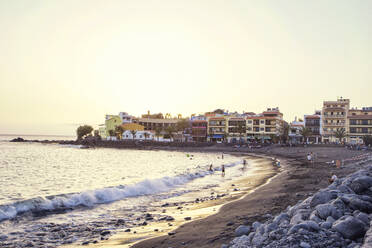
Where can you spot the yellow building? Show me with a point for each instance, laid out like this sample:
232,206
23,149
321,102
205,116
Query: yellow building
334,116
111,123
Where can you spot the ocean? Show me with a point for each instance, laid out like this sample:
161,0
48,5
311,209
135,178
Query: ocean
45,187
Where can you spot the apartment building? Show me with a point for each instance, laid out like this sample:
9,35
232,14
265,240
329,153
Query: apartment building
314,123
359,122
199,126
334,116
217,128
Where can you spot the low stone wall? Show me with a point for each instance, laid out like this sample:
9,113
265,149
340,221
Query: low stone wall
338,216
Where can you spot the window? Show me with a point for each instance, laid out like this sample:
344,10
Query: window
262,121
261,129
249,129
250,121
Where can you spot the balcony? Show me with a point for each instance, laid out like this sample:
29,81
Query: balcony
334,124
334,116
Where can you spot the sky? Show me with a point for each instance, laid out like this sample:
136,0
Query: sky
65,63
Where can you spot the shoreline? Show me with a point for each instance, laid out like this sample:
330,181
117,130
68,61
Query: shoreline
186,206
297,181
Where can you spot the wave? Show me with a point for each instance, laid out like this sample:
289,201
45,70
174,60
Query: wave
101,196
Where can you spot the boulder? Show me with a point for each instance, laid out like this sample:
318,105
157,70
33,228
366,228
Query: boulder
304,245
326,225
242,230
361,184
350,228
363,206
325,210
322,197
363,217
281,217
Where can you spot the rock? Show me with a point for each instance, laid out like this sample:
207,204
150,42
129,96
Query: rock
326,225
127,230
363,206
325,210
256,225
361,184
330,219
169,218
281,217
312,225
144,223
350,228
322,197
363,217
230,223
305,245
187,218
3,237
106,232
242,230
171,233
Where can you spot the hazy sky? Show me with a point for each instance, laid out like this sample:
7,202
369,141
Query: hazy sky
68,62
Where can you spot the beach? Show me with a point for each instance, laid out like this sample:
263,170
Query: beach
297,181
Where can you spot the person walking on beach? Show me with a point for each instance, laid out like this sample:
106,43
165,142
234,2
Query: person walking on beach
312,158
222,156
210,167
223,170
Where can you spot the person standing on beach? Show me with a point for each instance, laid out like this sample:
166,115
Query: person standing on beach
223,170
309,158
222,156
210,167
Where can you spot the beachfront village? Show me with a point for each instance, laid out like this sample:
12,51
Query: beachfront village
335,122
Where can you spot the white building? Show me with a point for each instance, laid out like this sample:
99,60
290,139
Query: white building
294,133
139,135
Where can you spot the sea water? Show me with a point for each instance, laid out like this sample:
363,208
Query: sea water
47,185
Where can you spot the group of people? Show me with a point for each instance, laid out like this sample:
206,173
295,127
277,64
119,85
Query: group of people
223,166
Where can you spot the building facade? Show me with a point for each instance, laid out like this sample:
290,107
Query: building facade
334,116
314,123
359,124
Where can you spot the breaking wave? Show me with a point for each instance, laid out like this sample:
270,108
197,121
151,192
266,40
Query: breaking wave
101,196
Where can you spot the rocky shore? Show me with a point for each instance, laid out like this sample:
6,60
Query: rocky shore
337,216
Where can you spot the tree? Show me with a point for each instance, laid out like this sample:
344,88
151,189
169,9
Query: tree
158,131
146,135
210,135
133,132
182,125
367,140
111,132
284,133
119,132
340,134
170,130
305,132
241,129
83,131
225,136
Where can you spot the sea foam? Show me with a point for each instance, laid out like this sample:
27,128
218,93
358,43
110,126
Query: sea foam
91,198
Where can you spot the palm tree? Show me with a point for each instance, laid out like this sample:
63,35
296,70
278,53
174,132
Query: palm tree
340,134
146,135
158,131
305,132
133,132
119,132
241,130
225,136
170,130
210,135
111,132
284,132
